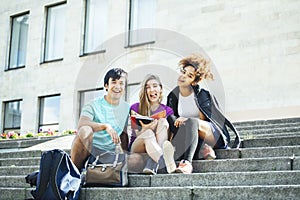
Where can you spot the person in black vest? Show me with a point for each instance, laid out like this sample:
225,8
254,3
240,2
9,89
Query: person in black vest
197,125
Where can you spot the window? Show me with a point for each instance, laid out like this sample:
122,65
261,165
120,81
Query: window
89,95
132,92
55,33
95,25
12,116
18,41
49,113
141,16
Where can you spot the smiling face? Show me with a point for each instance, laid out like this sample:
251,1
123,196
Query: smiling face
186,77
115,89
153,91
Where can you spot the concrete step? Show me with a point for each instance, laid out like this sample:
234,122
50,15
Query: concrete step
268,126
269,135
267,122
20,161
195,179
194,192
271,131
271,141
245,164
257,152
24,153
202,166
264,152
247,143
20,154
17,170
23,143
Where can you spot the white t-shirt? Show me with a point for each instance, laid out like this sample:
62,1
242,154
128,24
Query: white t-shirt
187,106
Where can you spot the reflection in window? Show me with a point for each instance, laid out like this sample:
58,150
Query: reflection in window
55,33
132,93
49,113
89,95
95,25
18,41
12,116
141,15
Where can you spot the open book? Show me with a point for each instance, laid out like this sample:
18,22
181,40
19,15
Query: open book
136,119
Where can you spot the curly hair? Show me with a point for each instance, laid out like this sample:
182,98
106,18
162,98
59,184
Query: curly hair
200,64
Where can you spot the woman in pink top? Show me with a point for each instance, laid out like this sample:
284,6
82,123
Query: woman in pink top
152,138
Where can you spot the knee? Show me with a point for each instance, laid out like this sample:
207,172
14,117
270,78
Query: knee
85,133
147,134
163,122
203,126
192,126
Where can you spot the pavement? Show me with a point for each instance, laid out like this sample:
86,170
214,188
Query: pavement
64,143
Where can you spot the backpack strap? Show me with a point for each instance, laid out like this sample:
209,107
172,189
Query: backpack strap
57,157
44,175
49,163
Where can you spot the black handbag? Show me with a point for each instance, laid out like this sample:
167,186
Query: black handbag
105,168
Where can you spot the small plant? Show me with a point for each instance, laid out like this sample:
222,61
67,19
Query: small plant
29,135
4,136
12,135
69,132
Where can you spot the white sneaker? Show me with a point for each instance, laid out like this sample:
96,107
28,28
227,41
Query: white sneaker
168,154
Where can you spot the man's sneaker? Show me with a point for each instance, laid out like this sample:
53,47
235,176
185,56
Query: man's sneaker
168,155
184,167
151,167
208,153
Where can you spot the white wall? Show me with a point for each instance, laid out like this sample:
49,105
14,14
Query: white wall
255,46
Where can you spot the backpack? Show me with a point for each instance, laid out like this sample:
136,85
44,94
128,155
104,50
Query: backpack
58,177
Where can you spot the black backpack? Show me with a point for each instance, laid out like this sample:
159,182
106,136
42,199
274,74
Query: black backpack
58,178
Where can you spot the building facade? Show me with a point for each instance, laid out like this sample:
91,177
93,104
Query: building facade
54,54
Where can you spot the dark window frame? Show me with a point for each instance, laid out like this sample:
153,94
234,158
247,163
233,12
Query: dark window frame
40,111
47,7
129,30
8,67
4,113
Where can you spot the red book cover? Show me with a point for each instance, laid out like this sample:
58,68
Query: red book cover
135,119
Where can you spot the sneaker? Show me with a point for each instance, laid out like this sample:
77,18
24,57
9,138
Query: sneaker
168,155
151,167
184,167
208,152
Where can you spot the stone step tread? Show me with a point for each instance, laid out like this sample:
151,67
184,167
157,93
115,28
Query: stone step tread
262,152
22,143
268,126
268,135
255,152
271,141
268,131
195,192
24,153
212,192
222,165
195,179
264,122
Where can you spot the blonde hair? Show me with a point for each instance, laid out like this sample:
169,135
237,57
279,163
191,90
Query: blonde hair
200,64
144,105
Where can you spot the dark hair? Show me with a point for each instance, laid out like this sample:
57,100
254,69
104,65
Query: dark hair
115,74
